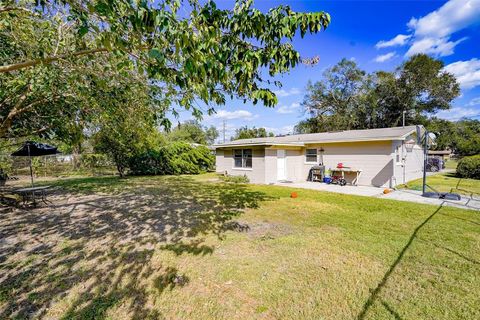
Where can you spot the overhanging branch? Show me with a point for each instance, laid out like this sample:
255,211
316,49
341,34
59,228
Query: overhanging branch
31,63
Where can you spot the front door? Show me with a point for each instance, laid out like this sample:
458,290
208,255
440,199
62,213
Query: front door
281,165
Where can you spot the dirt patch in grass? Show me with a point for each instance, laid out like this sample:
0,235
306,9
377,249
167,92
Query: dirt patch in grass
268,230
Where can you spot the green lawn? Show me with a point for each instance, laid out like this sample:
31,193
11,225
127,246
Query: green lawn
196,248
451,164
448,182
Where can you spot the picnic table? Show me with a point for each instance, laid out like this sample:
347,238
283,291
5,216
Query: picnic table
30,193
344,170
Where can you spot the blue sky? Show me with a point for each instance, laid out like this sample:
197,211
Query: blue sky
379,35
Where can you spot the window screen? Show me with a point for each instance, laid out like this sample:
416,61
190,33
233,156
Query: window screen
311,155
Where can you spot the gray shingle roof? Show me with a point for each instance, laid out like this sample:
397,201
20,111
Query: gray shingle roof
396,133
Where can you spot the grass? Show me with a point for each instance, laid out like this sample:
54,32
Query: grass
451,164
193,247
448,182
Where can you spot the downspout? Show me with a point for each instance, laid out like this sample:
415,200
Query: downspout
392,155
404,162
425,154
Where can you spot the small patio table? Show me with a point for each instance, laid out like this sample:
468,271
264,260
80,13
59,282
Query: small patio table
348,170
27,193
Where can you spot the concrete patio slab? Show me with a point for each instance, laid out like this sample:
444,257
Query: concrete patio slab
355,190
466,202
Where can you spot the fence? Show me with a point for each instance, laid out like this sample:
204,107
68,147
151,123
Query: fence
58,165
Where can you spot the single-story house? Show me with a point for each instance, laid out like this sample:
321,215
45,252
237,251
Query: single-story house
386,157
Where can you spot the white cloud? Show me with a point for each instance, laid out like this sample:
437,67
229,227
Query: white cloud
466,72
453,16
385,57
289,109
432,32
286,93
474,102
457,113
233,115
435,46
399,40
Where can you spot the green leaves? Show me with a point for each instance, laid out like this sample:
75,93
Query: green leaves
203,53
156,54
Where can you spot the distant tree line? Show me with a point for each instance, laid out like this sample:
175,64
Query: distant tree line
249,133
348,98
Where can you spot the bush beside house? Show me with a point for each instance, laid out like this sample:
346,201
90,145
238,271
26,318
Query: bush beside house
173,158
469,167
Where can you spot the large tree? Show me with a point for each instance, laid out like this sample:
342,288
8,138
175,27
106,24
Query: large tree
193,131
349,98
334,102
56,100
462,137
420,87
126,122
202,52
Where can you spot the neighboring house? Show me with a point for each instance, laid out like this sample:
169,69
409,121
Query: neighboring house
442,154
387,157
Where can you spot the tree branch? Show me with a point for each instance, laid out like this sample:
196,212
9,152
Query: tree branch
18,110
8,9
26,134
30,63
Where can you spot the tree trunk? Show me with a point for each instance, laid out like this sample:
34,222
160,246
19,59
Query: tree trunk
76,156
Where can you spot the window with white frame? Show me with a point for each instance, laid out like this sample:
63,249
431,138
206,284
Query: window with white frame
243,158
311,155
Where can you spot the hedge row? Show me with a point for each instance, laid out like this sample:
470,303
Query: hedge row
173,158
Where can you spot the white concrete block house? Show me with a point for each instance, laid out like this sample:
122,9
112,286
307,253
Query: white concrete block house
387,156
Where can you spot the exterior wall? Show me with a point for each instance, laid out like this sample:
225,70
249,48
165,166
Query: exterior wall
374,158
271,165
221,163
256,174
410,166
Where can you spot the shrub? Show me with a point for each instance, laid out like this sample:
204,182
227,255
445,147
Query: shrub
6,164
95,160
235,179
173,158
469,167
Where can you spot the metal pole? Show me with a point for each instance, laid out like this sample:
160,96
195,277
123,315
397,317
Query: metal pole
425,154
224,131
31,175
31,170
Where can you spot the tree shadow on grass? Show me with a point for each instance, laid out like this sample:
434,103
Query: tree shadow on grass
374,295
96,251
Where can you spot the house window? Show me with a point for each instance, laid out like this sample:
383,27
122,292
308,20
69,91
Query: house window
311,155
243,158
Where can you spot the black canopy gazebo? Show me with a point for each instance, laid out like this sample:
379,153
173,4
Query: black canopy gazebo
34,149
